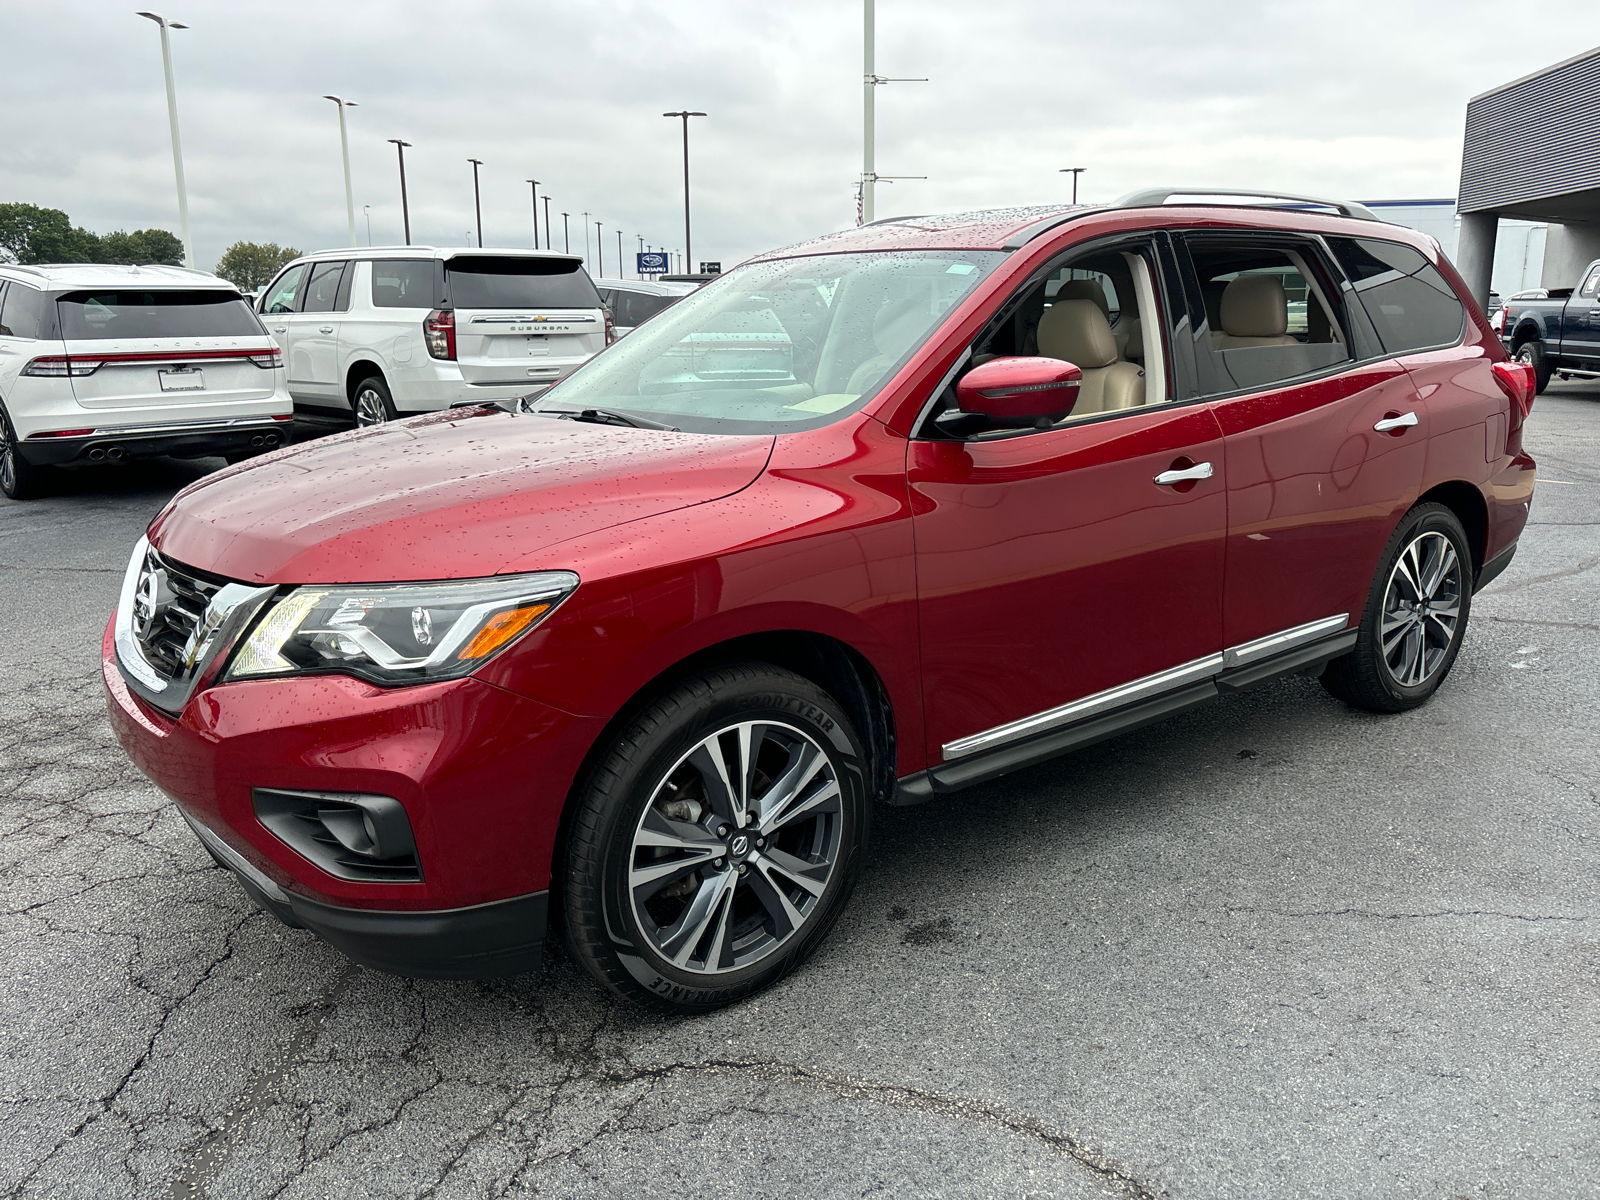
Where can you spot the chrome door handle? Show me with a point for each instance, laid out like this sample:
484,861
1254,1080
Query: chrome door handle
1198,471
1388,423
324,328
280,329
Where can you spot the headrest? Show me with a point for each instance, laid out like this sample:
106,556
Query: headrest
1255,306
896,325
1084,289
1076,331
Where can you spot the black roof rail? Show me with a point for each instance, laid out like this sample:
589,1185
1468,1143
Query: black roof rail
1027,233
1155,197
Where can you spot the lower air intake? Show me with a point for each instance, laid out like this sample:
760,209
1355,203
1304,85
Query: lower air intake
365,839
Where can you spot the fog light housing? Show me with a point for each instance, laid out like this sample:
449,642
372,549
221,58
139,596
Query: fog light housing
364,839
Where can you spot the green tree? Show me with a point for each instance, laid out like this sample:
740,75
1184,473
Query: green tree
30,234
141,247
249,265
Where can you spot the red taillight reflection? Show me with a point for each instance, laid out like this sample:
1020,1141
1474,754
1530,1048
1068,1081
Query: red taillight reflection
611,328
1518,381
439,332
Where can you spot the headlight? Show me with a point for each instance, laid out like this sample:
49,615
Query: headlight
392,633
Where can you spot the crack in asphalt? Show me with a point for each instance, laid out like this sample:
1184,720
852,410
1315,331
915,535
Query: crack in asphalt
1549,624
1505,589
1405,916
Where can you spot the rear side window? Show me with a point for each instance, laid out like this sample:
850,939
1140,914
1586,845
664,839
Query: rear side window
22,312
479,281
1407,299
402,283
128,313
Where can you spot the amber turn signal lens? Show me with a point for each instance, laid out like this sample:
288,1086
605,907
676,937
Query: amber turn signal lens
500,629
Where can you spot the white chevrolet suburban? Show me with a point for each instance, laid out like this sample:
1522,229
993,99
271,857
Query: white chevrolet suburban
379,333
100,364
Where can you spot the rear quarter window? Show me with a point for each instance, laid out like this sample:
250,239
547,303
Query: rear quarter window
402,283
130,313
22,312
1408,301
481,281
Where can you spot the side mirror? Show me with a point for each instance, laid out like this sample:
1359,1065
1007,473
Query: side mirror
1013,393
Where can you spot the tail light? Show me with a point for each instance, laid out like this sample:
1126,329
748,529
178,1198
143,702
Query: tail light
59,366
439,332
611,328
267,359
1518,382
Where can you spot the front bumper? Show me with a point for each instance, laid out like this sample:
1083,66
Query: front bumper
240,435
483,775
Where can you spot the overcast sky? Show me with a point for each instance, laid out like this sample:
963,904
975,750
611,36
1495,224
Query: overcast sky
1354,99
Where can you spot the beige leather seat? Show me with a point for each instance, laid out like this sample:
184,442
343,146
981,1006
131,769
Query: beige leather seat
894,327
1077,332
1129,336
1255,312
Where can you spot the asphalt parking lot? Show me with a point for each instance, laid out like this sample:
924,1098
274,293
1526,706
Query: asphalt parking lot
1274,947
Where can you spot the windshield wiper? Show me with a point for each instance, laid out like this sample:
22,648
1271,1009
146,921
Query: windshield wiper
605,416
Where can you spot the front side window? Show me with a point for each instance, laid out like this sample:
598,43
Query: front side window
1267,312
130,313
322,289
1408,300
786,344
1591,285
281,298
402,283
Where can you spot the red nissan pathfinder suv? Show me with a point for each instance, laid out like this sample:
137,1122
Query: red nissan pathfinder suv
880,516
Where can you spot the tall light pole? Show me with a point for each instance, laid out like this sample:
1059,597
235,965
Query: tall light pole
599,252
405,206
548,244
871,80
585,239
621,271
477,207
566,234
177,143
344,148
1074,172
685,117
535,184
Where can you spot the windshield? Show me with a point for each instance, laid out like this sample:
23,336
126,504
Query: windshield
781,345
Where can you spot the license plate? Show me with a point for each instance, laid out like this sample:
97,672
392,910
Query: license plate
183,379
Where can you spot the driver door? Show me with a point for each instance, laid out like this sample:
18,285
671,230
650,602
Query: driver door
1058,578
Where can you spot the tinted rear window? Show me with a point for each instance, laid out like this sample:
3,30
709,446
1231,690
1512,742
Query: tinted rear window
635,308
1407,299
126,313
485,282
402,283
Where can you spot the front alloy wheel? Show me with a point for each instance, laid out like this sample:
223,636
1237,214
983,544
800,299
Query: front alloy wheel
714,843
736,847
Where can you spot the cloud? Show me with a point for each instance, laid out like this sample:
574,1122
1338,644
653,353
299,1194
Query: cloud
1351,99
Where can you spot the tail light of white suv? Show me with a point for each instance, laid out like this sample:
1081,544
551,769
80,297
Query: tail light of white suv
439,332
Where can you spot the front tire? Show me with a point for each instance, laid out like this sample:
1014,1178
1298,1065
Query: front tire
1533,354
19,478
717,839
1416,616
372,403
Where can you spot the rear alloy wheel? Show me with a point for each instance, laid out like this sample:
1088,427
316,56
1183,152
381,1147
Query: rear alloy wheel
372,403
1416,616
716,843
1533,354
19,478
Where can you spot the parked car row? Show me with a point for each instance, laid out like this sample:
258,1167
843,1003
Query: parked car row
871,519
108,364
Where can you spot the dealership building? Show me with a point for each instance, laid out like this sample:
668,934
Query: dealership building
1532,154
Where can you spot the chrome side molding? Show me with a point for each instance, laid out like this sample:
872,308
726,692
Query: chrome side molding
1143,689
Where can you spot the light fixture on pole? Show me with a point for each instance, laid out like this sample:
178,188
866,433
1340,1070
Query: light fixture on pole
548,244
344,148
869,114
177,143
685,115
535,185
367,209
1074,172
405,206
477,207
566,234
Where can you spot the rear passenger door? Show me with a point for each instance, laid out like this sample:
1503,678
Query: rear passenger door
1324,435
312,350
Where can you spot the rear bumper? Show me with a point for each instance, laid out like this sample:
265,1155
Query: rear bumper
481,942
213,438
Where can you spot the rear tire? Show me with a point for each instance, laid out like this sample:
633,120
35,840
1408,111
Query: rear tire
372,403
19,478
1533,354
685,896
1416,616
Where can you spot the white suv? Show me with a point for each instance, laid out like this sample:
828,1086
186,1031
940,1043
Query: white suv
106,363
381,333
